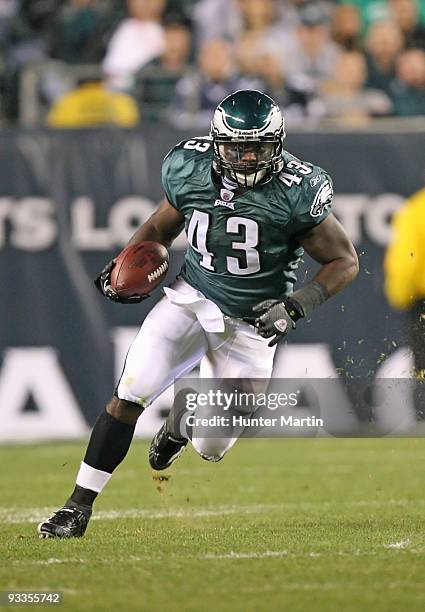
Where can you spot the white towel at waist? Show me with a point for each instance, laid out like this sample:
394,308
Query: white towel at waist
208,314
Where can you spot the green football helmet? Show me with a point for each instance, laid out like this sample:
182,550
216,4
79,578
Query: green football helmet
247,130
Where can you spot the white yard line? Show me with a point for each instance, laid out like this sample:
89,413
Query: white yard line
35,515
401,545
12,515
245,555
209,556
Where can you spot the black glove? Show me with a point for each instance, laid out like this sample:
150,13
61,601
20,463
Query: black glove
277,320
103,284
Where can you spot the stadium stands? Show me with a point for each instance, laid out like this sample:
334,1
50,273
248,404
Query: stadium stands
155,50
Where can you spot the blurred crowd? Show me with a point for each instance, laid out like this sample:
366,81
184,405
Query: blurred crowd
344,61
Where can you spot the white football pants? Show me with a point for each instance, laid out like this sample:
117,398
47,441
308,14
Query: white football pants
183,330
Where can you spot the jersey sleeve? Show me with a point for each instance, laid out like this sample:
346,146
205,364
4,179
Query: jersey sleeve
168,183
179,167
314,204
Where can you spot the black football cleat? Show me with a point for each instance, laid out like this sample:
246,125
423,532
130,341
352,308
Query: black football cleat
68,522
165,449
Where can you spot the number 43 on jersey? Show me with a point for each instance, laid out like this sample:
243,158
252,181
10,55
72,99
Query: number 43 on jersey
239,266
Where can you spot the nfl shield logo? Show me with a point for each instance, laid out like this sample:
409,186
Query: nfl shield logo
226,195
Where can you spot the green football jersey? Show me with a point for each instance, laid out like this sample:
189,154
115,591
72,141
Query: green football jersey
243,243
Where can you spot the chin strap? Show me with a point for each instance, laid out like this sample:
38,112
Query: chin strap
306,299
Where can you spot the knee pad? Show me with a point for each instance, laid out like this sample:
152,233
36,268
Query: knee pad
211,449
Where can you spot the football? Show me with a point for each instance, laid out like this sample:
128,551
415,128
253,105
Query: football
139,268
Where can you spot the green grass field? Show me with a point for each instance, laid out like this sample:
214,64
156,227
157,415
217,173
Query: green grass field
297,525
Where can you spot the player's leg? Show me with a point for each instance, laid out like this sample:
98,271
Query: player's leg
109,442
244,363
171,439
170,343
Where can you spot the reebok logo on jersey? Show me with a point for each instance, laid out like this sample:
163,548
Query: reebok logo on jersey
230,205
322,200
315,180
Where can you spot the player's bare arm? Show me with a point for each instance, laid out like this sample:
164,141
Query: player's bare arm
329,245
163,226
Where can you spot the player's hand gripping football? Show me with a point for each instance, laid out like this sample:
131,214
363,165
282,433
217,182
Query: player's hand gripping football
275,321
103,284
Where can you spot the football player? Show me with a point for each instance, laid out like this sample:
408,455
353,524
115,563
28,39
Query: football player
250,209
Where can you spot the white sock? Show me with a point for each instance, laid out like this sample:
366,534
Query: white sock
90,478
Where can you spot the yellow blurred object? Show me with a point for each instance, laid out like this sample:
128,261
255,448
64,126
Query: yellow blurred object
91,105
405,257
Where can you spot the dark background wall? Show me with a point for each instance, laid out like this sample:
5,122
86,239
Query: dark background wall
70,200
